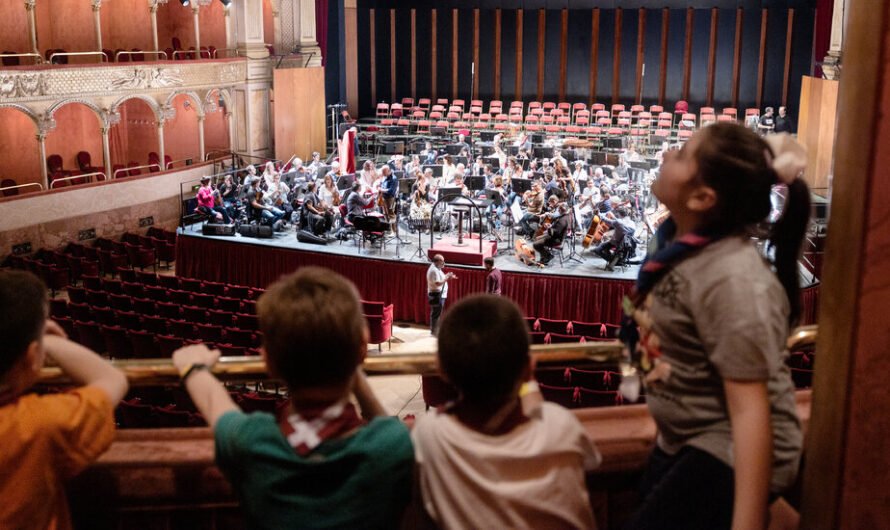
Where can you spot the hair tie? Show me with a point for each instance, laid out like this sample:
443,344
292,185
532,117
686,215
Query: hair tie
790,157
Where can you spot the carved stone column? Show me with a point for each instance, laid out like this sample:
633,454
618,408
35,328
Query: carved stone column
276,25
41,146
106,150
161,152
97,20
30,6
305,30
153,10
831,64
249,28
201,149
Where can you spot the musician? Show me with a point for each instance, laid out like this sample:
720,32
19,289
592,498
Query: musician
498,195
767,122
554,235
389,188
478,166
420,209
277,195
315,163
557,156
397,163
207,205
429,155
488,173
228,194
250,177
498,152
512,170
421,184
334,173
317,216
459,183
448,169
269,172
413,164
580,172
534,200
327,192
561,184
267,213
367,177
462,142
532,169
623,227
587,201
356,202
605,205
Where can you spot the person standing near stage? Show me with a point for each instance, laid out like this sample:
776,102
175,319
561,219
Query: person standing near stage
437,290
494,278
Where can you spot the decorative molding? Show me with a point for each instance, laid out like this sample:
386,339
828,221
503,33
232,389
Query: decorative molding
148,100
22,85
26,86
146,78
30,5
195,100
27,111
100,114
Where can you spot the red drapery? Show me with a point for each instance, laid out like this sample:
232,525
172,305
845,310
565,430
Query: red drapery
404,284
822,37
321,28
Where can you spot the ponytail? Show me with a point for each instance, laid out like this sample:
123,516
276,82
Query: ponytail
786,239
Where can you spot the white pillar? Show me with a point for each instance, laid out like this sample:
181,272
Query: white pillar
97,20
30,6
831,67
161,152
195,10
228,17
41,146
249,28
308,39
201,149
106,151
153,10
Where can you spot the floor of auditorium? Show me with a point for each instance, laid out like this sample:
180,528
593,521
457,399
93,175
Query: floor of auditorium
585,263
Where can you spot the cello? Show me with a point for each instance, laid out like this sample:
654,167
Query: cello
595,233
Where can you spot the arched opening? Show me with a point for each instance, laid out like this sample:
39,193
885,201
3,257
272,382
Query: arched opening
135,137
216,126
181,132
74,147
19,150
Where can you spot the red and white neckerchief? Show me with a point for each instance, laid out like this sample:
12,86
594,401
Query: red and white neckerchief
307,429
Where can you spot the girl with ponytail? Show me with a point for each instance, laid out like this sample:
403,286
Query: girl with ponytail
708,325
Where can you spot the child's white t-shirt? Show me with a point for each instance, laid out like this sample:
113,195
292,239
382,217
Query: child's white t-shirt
531,477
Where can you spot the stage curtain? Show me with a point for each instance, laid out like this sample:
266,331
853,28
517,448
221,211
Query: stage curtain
321,28
404,284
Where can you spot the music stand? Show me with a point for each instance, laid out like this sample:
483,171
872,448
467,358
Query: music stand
345,182
405,185
437,169
573,255
453,149
446,195
475,183
521,186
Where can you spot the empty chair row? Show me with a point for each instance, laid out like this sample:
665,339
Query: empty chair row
128,315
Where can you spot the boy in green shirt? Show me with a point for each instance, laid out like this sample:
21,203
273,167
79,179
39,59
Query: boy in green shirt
319,465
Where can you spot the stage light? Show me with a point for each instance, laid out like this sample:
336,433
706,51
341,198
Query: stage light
184,3
225,2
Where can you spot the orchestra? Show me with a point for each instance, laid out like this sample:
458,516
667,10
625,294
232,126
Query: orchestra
598,199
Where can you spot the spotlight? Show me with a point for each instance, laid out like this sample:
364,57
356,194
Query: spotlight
225,2
184,3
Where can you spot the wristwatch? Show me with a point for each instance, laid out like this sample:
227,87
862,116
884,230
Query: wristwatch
185,373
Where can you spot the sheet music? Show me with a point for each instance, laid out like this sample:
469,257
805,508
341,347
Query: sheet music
516,211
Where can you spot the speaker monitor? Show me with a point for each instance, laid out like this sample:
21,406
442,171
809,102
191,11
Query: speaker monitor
214,229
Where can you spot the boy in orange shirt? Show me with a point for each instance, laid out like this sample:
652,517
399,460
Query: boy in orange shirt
46,439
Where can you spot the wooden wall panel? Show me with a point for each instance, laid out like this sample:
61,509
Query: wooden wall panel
737,56
373,44
788,41
594,52
414,54
497,54
641,50
475,66
712,57
433,55
392,55
300,106
518,88
687,52
662,71
616,61
455,39
761,60
542,33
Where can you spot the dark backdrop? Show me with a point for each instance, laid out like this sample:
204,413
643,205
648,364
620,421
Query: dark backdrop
579,35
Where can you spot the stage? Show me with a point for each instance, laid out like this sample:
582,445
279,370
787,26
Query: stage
396,274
